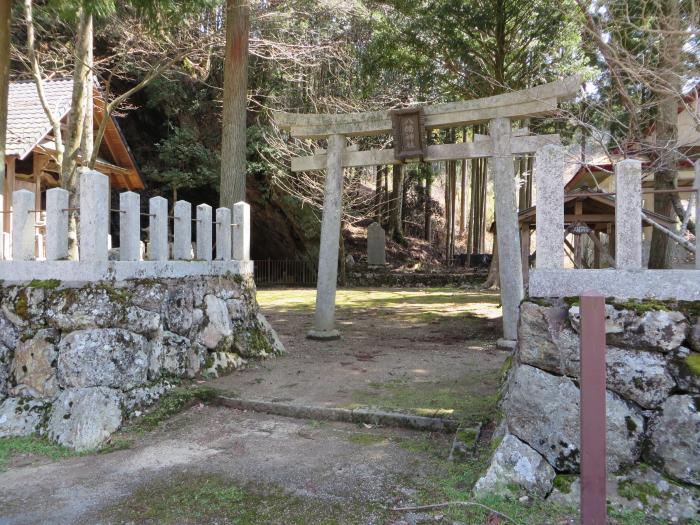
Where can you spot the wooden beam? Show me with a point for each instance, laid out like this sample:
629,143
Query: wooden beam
537,101
462,150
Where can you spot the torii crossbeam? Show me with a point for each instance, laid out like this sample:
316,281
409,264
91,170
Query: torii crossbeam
502,145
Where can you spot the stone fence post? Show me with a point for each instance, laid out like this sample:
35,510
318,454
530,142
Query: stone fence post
182,231
696,186
158,229
56,224
223,234
204,232
549,211
129,226
94,216
241,232
628,215
23,221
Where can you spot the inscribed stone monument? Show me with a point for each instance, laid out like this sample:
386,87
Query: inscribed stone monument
376,245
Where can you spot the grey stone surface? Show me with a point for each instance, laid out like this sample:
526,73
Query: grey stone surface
94,216
681,367
174,355
56,224
179,310
543,411
21,416
658,330
5,360
623,284
628,224
140,398
83,418
324,316
515,463
549,170
510,266
130,226
376,245
223,234
546,341
675,438
110,357
241,231
158,229
220,363
204,232
34,365
23,225
218,331
269,333
640,489
182,231
8,332
694,333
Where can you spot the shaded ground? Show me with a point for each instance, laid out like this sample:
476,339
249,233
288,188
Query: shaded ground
424,351
412,350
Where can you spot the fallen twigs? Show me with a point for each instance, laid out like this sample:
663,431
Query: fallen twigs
451,503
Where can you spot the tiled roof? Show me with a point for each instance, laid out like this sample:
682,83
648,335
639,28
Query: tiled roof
27,123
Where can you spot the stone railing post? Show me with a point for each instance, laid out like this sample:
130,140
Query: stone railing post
696,186
182,231
129,226
56,224
628,215
549,173
204,232
23,221
241,232
158,229
223,234
94,216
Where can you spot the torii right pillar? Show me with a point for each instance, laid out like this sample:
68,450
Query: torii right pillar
509,264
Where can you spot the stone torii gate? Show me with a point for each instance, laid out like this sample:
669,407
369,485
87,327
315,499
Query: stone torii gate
409,128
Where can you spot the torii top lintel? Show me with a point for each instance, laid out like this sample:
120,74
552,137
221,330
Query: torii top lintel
533,102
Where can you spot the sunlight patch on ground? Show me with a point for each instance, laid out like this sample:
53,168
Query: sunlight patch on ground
413,303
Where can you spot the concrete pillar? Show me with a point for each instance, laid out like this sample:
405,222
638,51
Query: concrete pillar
628,214
56,224
505,190
549,173
129,226
94,216
158,229
223,234
324,318
182,231
241,231
697,214
204,232
23,221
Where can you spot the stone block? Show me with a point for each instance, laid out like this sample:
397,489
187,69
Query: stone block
129,226
376,245
182,231
94,216
56,224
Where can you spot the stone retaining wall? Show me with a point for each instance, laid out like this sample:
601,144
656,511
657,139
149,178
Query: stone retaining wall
75,362
653,408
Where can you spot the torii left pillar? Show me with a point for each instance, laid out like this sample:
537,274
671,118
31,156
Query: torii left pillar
324,318
509,265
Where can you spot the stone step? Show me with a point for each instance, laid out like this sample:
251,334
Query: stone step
359,415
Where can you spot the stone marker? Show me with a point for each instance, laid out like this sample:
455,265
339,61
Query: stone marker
376,245
628,210
94,216
129,226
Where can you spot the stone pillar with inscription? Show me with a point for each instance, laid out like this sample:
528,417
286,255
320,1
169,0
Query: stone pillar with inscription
376,245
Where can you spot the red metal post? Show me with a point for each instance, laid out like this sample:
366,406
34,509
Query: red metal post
593,507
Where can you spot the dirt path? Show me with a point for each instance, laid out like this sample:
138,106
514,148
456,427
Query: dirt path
417,351
425,351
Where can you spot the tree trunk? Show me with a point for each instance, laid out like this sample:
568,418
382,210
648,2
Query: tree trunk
74,132
463,197
233,136
493,279
666,174
88,120
395,226
453,206
5,19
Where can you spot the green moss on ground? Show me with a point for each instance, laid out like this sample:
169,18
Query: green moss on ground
47,284
170,404
22,305
449,398
563,482
199,498
30,446
693,363
366,439
642,491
